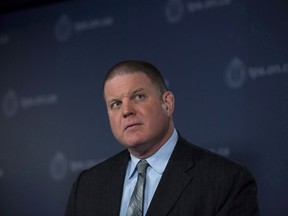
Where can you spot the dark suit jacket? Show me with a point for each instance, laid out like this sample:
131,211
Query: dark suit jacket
195,182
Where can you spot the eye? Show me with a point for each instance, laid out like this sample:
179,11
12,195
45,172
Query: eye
115,104
139,97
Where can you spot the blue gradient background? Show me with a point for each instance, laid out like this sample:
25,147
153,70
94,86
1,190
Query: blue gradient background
55,69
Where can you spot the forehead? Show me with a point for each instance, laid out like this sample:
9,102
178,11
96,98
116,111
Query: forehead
127,83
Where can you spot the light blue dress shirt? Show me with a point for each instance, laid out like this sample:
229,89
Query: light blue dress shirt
157,162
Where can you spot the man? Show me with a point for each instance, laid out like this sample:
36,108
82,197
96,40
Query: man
180,178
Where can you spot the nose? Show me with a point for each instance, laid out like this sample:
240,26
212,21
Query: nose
127,109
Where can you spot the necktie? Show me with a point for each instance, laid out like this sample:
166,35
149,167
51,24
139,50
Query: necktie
135,207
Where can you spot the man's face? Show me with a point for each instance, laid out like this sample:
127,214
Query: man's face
140,118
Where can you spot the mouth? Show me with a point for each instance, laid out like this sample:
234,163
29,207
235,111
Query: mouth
131,126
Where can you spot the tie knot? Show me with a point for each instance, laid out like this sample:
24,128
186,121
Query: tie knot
142,166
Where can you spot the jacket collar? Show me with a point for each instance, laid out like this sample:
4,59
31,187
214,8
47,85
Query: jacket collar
174,180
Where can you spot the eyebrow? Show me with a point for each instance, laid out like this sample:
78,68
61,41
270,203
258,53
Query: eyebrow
138,90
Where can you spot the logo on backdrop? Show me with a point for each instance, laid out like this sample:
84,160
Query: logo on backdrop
224,151
237,72
175,9
60,166
200,5
65,26
12,103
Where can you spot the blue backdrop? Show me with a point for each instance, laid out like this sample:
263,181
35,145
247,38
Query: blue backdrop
225,60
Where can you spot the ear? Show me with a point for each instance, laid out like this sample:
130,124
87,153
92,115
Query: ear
168,102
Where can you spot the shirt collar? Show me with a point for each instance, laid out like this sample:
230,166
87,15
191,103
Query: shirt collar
159,159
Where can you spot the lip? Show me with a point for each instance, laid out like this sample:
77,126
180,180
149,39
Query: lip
131,125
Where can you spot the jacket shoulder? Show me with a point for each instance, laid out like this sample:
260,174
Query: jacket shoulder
204,158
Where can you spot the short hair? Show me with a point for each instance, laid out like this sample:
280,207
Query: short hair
137,66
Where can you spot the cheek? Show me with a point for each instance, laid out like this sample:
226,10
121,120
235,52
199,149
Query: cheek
157,116
113,123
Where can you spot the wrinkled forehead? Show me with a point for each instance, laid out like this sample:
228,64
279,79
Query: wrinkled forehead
127,83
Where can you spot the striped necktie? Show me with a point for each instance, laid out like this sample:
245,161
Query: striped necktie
135,207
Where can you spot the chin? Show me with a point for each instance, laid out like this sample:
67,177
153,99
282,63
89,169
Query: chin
135,143
133,140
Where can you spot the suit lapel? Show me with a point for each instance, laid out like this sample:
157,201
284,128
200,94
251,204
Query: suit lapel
115,182
174,180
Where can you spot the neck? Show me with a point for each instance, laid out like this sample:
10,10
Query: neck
146,150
